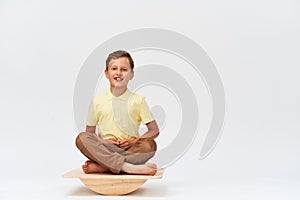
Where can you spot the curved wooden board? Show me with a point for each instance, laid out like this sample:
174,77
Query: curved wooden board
112,184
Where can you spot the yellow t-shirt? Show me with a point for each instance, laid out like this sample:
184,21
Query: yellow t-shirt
119,117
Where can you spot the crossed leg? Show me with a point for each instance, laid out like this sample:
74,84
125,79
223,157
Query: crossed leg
105,158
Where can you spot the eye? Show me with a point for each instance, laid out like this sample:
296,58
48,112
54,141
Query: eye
124,69
113,68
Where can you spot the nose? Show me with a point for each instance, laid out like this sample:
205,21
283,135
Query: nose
119,72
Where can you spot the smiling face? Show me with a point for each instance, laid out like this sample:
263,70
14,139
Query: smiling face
119,73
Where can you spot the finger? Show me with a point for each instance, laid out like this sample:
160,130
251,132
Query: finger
115,142
123,142
124,145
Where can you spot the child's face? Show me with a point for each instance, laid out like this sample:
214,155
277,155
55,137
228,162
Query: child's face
119,72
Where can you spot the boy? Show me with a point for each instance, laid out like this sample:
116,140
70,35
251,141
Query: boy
117,114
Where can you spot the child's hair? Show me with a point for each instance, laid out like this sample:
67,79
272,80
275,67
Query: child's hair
119,54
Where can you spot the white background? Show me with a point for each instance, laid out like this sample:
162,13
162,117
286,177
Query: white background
254,44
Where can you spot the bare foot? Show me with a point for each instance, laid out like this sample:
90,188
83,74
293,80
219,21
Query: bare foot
152,165
93,167
146,169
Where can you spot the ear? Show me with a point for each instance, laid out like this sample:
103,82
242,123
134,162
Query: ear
106,73
131,75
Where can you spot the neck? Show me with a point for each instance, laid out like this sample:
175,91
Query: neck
118,91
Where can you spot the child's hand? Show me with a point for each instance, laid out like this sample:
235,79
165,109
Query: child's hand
124,144
115,142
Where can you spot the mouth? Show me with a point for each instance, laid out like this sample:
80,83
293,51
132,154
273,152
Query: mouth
118,78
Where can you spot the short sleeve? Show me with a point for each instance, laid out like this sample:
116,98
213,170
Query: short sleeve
92,117
145,113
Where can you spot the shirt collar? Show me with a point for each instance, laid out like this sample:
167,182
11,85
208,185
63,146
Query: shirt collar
125,96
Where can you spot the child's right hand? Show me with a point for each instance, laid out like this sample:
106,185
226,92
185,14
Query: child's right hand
115,142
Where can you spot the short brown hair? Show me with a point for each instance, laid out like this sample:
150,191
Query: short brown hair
119,54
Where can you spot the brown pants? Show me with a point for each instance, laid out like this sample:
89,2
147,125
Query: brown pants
111,156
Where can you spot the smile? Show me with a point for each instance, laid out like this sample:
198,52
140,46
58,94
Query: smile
118,79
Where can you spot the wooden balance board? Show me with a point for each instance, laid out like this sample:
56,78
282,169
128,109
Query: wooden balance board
112,184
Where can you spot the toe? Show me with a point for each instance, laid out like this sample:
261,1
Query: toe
153,172
152,165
